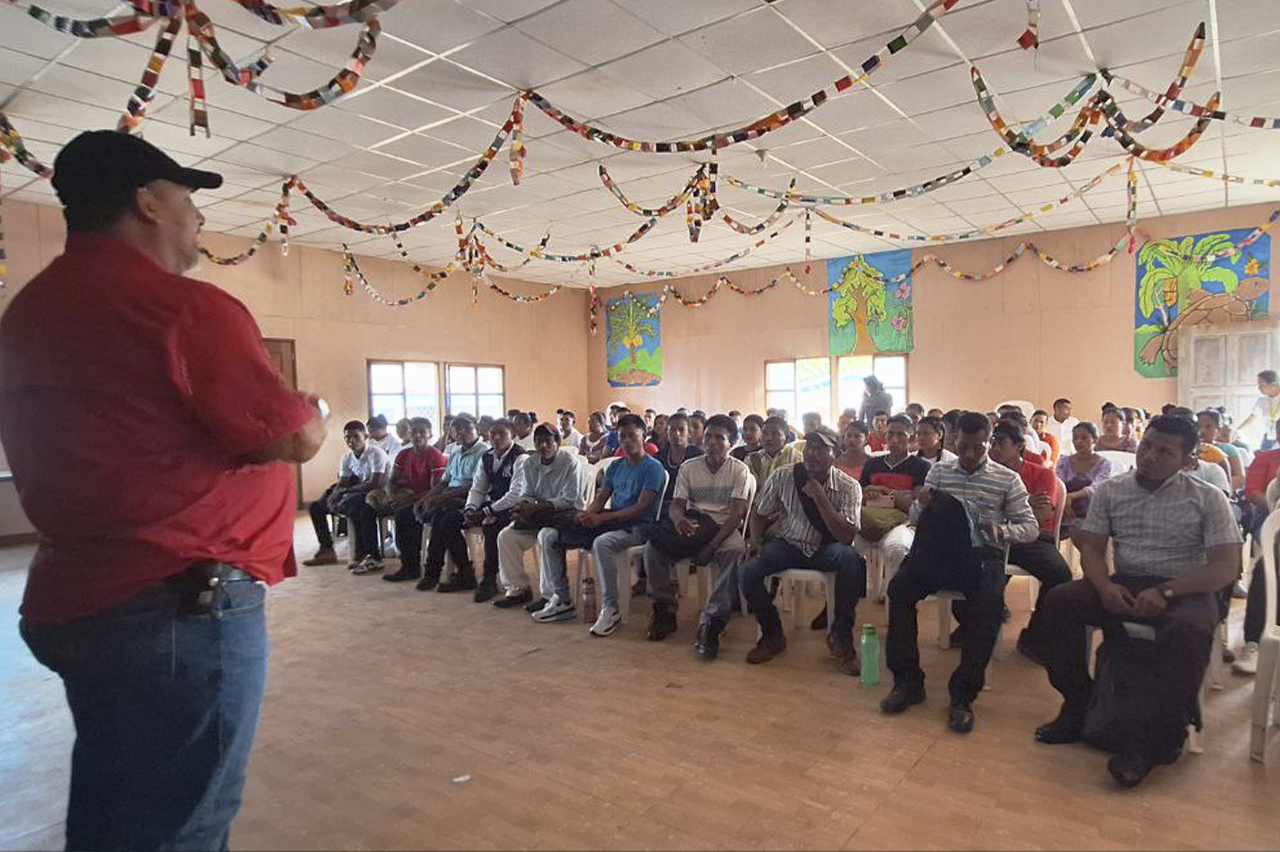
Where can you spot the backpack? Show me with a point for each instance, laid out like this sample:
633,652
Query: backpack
1131,706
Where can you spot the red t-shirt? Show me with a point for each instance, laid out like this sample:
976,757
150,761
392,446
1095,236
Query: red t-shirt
1041,480
1265,466
875,443
651,449
128,397
417,470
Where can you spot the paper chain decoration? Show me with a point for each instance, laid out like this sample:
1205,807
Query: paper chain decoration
202,42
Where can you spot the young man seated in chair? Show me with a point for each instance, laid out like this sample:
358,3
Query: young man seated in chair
497,468
1176,547
363,470
442,508
418,467
704,521
816,506
995,502
1039,558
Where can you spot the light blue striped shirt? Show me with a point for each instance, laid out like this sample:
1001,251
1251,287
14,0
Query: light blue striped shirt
994,491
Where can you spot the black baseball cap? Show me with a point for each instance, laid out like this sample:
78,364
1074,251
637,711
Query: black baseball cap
822,435
102,165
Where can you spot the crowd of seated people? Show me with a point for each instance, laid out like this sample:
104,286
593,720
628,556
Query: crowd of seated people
947,500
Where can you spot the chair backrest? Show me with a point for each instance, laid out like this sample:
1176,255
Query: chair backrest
1060,500
1121,462
1027,408
1270,528
1273,494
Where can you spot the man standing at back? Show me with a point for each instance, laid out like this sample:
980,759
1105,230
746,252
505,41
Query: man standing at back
166,501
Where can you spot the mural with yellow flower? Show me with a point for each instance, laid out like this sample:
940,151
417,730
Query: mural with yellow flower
633,341
1185,281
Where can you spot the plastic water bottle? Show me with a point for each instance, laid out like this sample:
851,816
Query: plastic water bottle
870,654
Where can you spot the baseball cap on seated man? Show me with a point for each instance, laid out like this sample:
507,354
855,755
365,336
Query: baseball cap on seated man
101,166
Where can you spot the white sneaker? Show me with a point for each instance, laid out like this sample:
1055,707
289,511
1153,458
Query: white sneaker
609,621
555,610
1247,660
369,565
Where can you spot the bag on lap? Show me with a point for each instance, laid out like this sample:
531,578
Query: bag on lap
665,537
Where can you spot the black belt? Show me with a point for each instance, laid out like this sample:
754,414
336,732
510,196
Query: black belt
198,585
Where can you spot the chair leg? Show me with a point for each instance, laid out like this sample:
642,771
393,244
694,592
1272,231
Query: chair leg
944,623
799,591
1264,691
1033,592
624,586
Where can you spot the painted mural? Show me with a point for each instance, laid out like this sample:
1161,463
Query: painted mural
1177,288
633,341
869,306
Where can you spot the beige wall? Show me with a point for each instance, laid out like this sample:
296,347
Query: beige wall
1030,333
300,297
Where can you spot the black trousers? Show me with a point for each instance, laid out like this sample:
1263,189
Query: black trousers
981,579
358,515
446,537
490,533
1255,608
1040,559
1185,630
409,540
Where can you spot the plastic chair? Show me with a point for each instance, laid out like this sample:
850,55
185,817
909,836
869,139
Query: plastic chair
1027,408
795,581
1120,462
873,555
1268,676
1033,585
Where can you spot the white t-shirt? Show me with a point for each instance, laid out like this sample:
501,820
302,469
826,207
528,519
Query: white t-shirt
1267,409
1062,431
526,442
364,466
389,444
711,492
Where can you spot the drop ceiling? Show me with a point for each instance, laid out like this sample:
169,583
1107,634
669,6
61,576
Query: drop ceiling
446,72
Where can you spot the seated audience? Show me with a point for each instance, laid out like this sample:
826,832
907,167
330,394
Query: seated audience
703,522
1209,422
752,429
697,429
774,451
676,452
1039,423
935,412
817,510
363,470
547,482
890,484
611,440
951,420
1035,450
446,439
1061,423
497,468
650,420
879,427
626,500
593,447
379,436
416,470
1039,558
1135,420
847,416
1175,547
959,546
915,411
483,425
736,416
1263,471
650,448
854,455
523,426
1111,436
404,431
930,439
569,436
810,421
1081,471
658,432
443,509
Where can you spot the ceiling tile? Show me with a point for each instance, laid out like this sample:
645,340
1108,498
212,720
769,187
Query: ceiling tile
561,27
437,25
374,163
394,107
431,153
674,17
516,59
758,39
590,94
333,48
666,69
833,23
453,86
344,126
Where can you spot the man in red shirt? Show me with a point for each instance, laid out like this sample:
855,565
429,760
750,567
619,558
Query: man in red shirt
1039,558
164,509
417,468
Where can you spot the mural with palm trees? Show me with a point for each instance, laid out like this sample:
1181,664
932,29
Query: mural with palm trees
633,342
869,307
1178,288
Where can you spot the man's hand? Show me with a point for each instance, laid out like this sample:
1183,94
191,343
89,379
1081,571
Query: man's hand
335,497
590,520
1149,604
472,516
1041,507
871,490
1116,599
686,527
924,497
754,547
704,556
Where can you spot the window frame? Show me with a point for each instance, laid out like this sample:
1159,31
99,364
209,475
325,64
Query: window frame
404,395
833,372
447,393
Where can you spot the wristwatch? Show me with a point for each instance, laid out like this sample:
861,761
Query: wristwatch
1166,593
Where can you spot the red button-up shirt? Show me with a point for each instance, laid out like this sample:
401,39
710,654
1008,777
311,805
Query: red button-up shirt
129,398
1266,464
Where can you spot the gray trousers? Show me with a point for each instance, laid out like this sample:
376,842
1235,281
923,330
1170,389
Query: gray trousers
660,568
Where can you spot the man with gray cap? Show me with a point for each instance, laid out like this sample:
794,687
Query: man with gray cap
147,428
814,510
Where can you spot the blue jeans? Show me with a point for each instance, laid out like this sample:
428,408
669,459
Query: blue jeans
165,706
777,556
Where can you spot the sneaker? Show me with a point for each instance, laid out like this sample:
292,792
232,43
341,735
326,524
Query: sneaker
1238,591
401,576
555,610
368,565
610,619
428,582
510,601
463,580
324,556
960,717
901,697
1247,660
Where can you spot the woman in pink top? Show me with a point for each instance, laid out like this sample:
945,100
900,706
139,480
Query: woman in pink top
854,454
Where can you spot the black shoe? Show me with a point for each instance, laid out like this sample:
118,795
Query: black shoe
769,646
463,580
662,623
1067,728
957,638
401,576
511,601
960,717
428,582
820,621
486,591
844,655
534,606
1005,613
707,645
1129,769
1029,649
901,697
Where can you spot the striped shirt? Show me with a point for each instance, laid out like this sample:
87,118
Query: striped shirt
1161,533
994,492
794,527
761,464
712,493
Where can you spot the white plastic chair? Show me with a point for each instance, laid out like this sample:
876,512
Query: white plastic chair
873,554
1033,585
1121,462
1027,408
1268,676
795,582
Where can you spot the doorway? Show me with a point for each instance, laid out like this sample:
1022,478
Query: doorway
285,361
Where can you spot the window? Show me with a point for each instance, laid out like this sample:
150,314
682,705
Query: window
399,389
891,370
474,389
799,386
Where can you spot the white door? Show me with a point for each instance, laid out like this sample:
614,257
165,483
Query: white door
1219,365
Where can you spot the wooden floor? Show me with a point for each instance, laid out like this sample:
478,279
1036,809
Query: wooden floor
397,719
